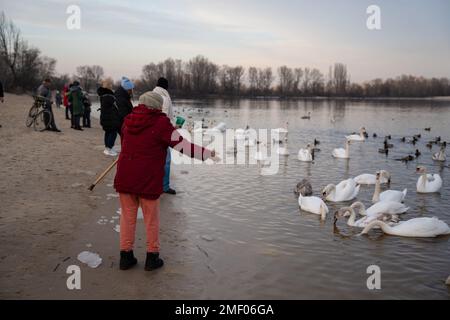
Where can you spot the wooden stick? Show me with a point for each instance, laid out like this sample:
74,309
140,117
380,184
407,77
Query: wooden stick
100,178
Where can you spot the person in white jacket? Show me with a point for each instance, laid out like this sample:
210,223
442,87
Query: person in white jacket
161,88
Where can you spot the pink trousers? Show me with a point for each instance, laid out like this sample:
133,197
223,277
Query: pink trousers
130,205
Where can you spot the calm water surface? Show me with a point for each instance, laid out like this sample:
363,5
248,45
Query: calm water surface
258,242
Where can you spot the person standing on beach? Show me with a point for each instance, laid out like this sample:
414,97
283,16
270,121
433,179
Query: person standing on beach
76,101
87,110
146,135
2,95
58,99
66,100
161,88
109,116
44,91
123,96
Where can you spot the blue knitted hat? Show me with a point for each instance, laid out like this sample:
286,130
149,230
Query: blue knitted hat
126,83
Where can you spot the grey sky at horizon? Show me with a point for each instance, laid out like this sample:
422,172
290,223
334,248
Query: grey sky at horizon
123,36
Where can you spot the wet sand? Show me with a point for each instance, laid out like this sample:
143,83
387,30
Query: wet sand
47,217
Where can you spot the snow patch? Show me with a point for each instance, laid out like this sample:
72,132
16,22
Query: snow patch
93,260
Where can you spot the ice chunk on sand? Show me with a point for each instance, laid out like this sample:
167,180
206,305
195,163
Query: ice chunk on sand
102,221
93,260
207,237
76,185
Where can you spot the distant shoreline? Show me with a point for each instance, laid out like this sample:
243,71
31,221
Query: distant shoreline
211,97
293,98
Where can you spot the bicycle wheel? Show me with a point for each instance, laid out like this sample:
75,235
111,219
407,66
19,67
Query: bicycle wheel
42,120
31,114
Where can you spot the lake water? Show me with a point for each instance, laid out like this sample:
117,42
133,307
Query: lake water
260,245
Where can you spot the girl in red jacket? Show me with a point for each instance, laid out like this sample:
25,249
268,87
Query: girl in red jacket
147,133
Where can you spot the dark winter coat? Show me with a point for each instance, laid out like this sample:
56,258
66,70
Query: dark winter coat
146,135
86,103
123,100
1,90
109,111
76,100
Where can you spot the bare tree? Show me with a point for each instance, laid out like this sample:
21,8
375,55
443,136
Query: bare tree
286,77
317,82
298,74
340,78
150,75
253,79
265,79
10,45
306,81
203,75
96,72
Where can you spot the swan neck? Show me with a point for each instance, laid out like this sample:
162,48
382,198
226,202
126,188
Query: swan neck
352,219
424,179
376,195
385,227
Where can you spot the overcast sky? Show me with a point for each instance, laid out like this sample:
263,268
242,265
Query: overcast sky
122,36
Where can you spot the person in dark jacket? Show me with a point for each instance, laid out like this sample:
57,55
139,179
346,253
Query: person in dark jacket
146,135
87,110
76,100
58,99
2,96
44,91
109,116
123,97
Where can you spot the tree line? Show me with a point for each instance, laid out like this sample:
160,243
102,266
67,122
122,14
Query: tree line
22,68
200,77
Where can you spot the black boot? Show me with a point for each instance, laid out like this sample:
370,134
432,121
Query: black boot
153,261
127,260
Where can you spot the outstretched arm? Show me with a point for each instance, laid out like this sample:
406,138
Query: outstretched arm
174,140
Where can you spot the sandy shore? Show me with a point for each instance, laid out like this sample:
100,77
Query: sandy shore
47,217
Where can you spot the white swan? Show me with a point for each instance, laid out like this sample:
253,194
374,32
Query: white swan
259,155
220,128
358,137
249,142
305,155
368,178
313,205
345,191
440,156
390,207
362,222
282,151
240,134
417,227
342,153
428,183
388,195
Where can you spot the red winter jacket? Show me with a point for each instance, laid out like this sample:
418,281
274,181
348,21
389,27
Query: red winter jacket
147,133
65,96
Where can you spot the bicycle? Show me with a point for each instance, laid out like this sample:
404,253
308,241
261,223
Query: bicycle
38,115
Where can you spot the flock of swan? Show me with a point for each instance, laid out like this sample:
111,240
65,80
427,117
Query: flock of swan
387,206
